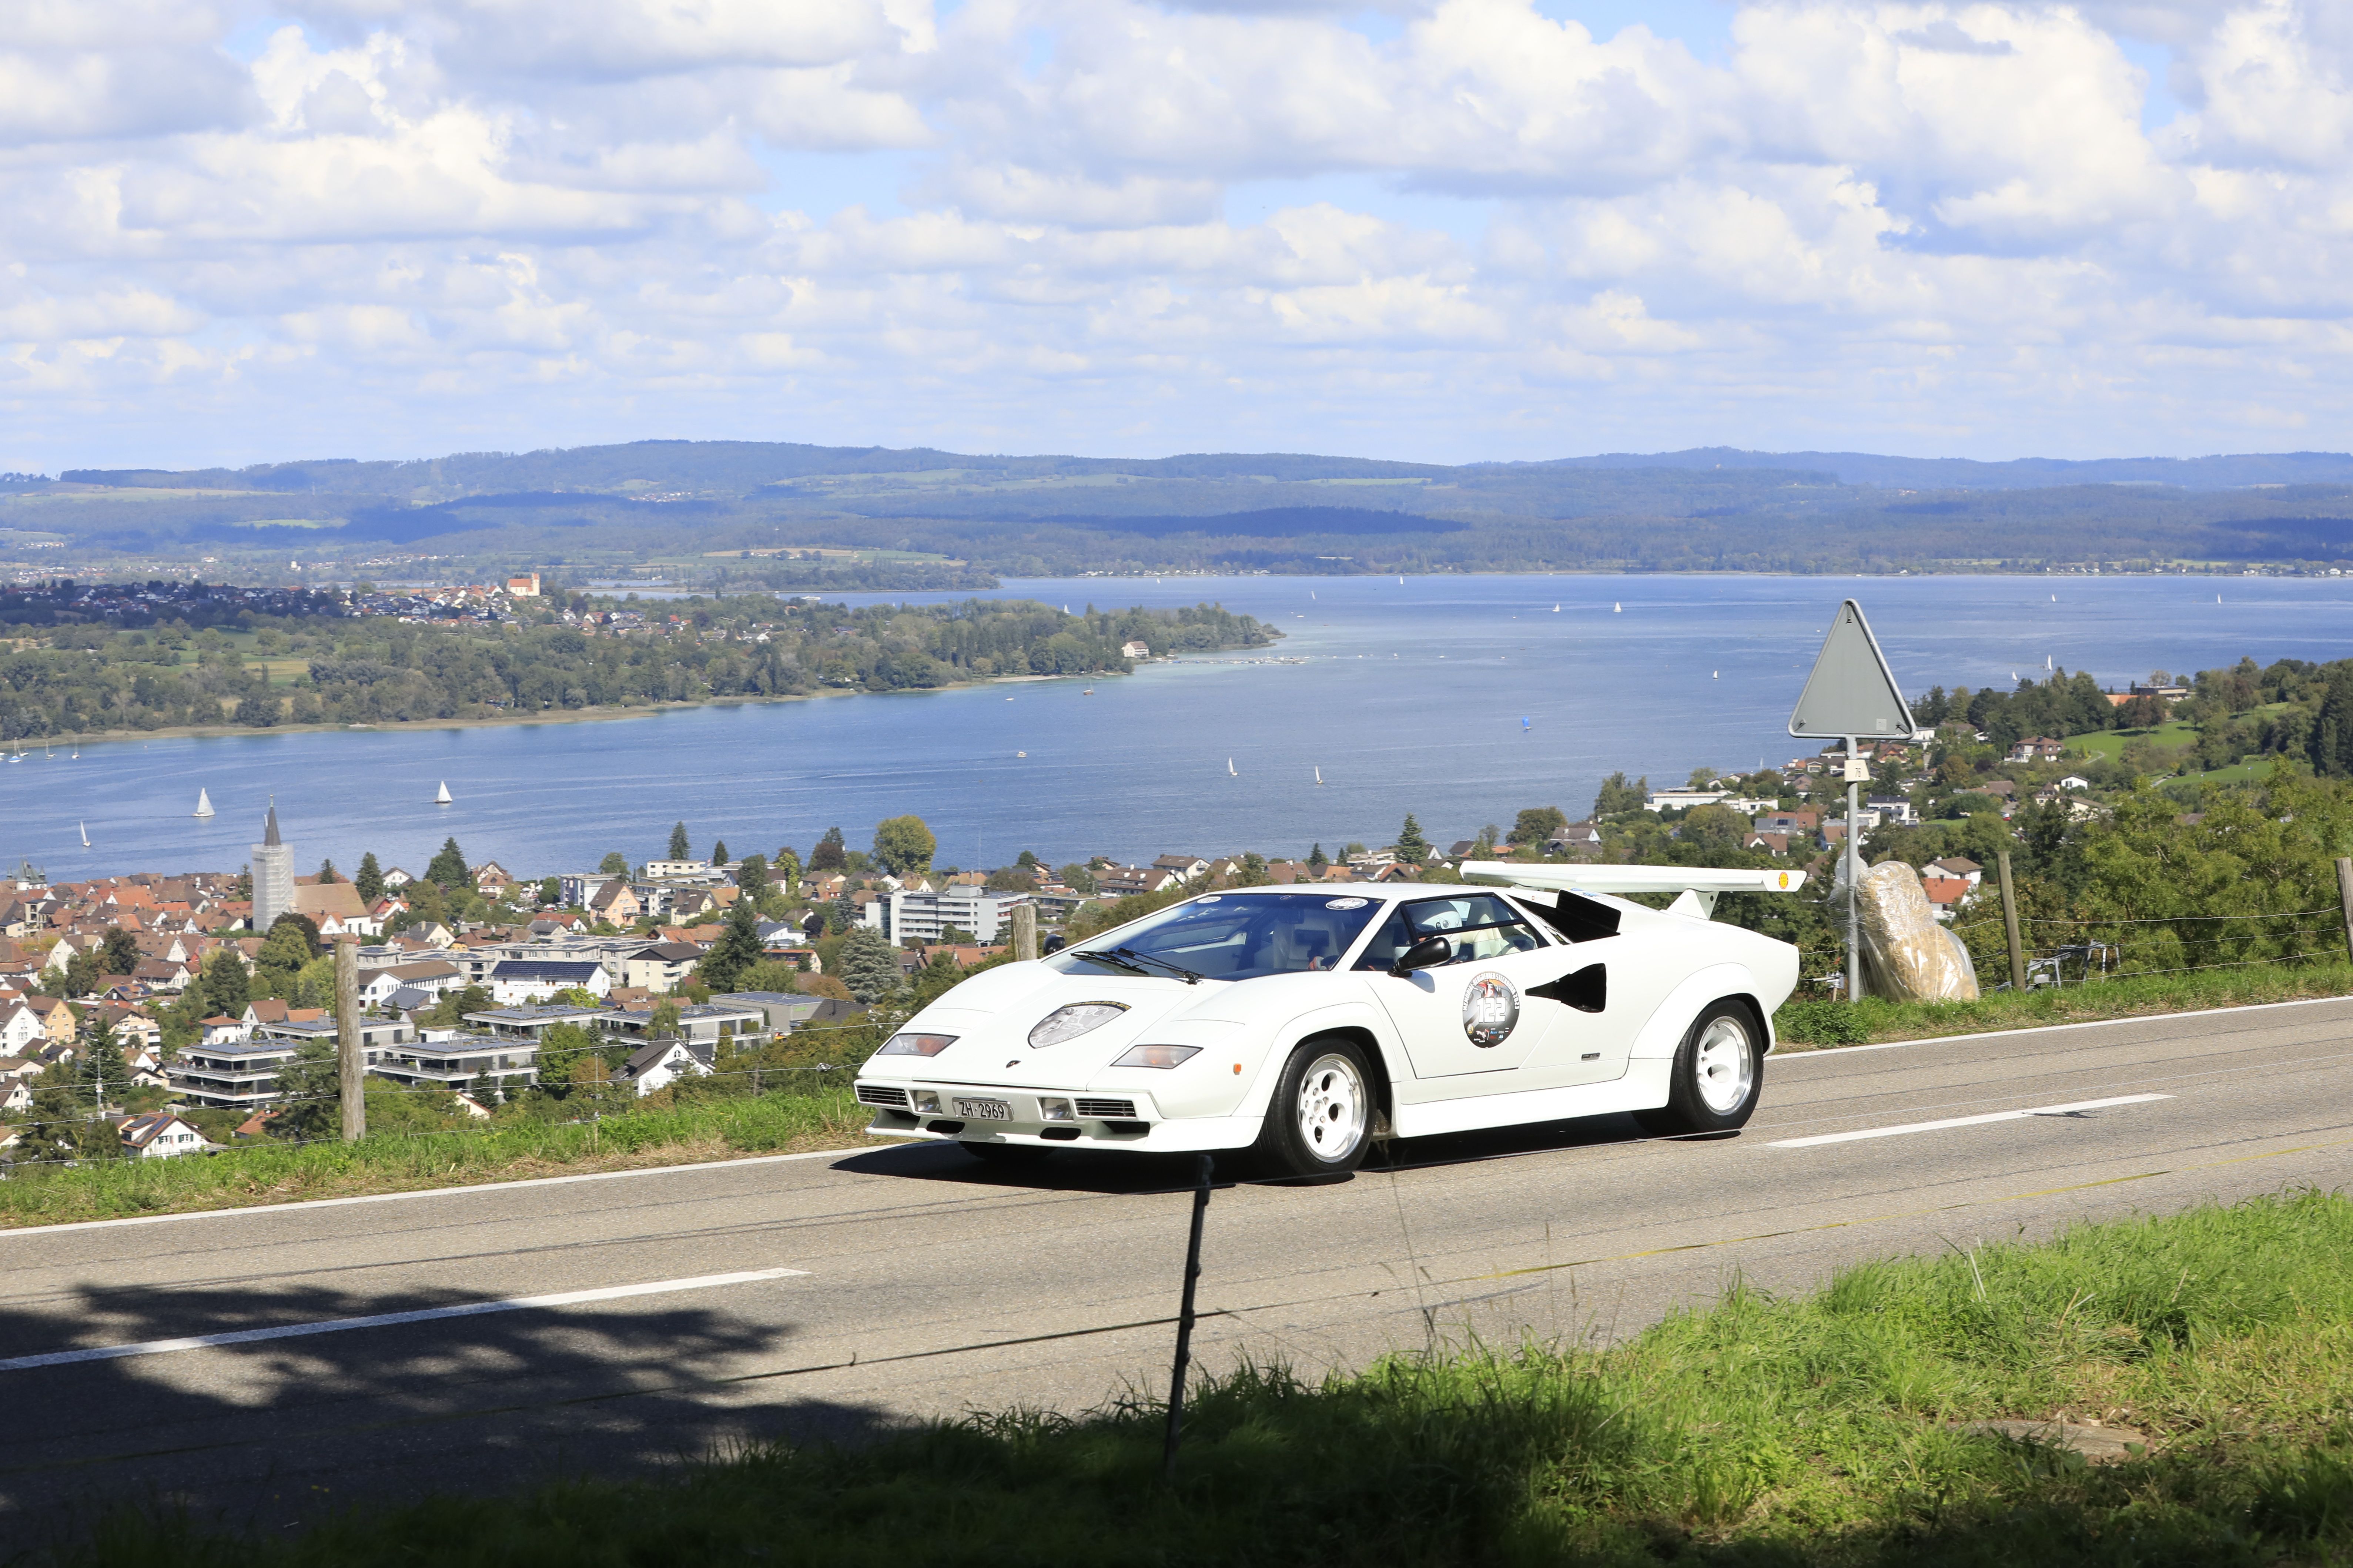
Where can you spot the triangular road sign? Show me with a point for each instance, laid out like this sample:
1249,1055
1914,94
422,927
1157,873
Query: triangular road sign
1852,691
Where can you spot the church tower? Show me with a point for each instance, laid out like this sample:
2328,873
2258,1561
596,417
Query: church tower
273,875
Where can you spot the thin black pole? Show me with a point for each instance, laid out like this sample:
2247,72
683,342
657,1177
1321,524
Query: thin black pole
1184,1322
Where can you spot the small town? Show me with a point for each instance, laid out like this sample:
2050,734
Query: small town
195,1012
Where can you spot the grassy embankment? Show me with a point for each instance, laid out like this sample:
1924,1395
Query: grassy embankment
1816,1023
268,1173
1827,1430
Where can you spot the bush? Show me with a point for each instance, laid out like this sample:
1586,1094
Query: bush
1820,1022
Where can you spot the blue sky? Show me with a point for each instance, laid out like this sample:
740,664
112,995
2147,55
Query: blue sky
1445,229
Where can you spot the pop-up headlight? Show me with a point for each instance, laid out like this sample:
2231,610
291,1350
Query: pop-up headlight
1069,1023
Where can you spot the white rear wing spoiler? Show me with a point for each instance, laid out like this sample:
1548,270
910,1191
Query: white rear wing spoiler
1698,885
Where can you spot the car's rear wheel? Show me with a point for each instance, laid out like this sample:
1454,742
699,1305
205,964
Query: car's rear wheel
1320,1121
1006,1154
1718,1072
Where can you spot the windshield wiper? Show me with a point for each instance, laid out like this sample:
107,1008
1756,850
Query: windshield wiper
1110,960
1178,970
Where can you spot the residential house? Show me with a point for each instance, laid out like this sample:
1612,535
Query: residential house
431,978
1894,809
1803,823
665,870
921,919
461,1063
518,980
223,1030
20,1028
660,966
664,1062
395,878
1575,836
704,1022
15,1092
2074,780
1945,894
2037,748
1683,799
788,1010
617,903
490,879
242,1075
1185,866
1771,843
1123,881
264,1010
1134,648
159,1135
534,1021
1968,870
336,907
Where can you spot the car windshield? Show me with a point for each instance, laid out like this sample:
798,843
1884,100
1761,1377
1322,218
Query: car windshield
1477,925
1229,936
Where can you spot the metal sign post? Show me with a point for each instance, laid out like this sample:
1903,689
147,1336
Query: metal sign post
1851,696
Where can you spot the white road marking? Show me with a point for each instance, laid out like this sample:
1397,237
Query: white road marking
249,1211
1965,1121
390,1320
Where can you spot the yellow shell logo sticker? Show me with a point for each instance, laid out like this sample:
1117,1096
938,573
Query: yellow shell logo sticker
1785,879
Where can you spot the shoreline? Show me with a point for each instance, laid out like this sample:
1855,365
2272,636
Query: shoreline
553,716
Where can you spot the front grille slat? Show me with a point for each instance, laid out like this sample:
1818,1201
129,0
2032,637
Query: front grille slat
1118,1110
881,1094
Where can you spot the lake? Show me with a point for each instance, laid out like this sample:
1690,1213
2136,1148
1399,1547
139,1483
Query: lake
1459,699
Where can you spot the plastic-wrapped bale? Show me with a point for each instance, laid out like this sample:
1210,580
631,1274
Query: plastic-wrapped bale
1906,956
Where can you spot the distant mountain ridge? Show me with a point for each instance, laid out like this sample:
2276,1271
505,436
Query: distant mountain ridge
747,465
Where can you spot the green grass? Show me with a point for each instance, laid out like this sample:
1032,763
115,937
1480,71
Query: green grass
503,1151
1815,1021
1822,1431
2110,743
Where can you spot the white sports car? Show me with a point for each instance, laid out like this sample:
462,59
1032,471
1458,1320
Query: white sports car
1299,1024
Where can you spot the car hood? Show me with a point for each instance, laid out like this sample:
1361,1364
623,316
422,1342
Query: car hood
991,1016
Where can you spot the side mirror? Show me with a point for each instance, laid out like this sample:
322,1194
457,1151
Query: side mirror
1055,941
1427,952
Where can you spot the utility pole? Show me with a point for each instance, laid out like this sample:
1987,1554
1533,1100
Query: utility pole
2010,918
1857,771
1025,931
351,1060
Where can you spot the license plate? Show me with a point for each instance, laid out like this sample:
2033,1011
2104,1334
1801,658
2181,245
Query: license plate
983,1110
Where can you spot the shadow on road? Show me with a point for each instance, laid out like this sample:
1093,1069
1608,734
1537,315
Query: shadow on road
1088,1171
269,1435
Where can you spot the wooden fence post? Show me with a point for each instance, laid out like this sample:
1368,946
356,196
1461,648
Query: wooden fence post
1025,931
351,1060
2345,898
2010,920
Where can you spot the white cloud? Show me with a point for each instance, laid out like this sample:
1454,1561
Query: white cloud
1933,225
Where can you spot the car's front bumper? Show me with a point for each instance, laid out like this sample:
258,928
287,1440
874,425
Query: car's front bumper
907,1109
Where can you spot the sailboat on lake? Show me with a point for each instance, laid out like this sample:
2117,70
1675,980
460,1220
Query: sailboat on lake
1229,769
1319,776
203,803
443,798
85,834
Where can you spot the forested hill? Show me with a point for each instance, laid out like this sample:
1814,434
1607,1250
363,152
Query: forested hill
723,514
266,670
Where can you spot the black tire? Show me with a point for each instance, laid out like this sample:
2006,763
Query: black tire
1706,1093
1006,1154
1320,1121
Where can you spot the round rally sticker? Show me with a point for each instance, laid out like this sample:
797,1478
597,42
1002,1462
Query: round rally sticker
1491,1010
1346,903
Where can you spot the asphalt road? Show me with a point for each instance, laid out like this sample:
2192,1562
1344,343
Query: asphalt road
836,1295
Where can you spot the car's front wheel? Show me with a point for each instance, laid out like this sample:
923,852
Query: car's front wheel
1320,1121
1718,1072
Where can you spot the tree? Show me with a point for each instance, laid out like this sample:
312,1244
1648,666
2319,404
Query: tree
327,873
614,864
100,1070
719,851
227,986
1027,862
1412,849
870,966
737,949
829,854
1538,825
292,942
120,952
903,844
559,1049
314,984
1012,880
368,882
666,1015
752,877
1078,879
1317,860
680,847
83,973
1254,873
451,1011
785,869
312,1086
449,871
551,889
1485,845
1617,797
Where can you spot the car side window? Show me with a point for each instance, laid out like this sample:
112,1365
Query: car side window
1477,925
